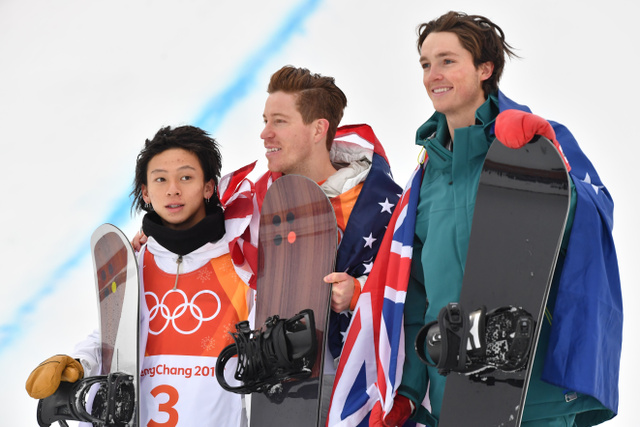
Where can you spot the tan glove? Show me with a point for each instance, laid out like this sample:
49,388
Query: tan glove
45,379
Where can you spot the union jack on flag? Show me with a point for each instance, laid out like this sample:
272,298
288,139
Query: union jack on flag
365,376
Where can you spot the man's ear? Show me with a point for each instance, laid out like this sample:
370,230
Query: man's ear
320,129
145,193
209,189
486,70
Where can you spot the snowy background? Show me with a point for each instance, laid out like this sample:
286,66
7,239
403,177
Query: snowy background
84,82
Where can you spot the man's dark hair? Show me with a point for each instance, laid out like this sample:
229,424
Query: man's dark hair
477,34
189,138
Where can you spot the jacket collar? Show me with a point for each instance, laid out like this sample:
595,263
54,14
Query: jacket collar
181,242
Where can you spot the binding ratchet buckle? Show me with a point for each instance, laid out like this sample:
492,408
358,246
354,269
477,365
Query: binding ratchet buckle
113,405
477,343
283,350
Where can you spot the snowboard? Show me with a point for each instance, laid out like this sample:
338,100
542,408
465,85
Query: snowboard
117,289
518,223
296,249
118,294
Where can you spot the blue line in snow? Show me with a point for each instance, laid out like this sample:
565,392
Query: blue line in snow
210,118
219,106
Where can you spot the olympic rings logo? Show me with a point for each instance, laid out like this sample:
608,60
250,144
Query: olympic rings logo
160,308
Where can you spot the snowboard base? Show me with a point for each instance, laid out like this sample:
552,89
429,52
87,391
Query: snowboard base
297,247
519,219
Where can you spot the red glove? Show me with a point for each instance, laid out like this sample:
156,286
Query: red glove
399,414
515,128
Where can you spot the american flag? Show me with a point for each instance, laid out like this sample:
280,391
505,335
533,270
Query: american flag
237,196
362,237
363,376
372,212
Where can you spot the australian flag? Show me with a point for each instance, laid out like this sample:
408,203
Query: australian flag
586,335
365,376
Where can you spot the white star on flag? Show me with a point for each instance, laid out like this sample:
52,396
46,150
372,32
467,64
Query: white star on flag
369,241
587,180
386,206
367,267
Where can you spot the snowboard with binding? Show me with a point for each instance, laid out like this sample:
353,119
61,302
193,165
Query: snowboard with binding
117,290
281,362
486,343
297,248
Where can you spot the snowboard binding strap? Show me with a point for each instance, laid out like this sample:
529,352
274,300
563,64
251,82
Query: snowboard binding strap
282,350
477,343
113,405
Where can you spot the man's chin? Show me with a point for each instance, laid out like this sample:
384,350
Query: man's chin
275,168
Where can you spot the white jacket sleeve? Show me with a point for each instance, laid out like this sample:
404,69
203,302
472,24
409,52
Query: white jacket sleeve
88,352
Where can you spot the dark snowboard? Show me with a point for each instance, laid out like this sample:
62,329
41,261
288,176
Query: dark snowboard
520,215
297,248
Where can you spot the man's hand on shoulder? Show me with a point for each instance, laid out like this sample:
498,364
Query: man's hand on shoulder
138,240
